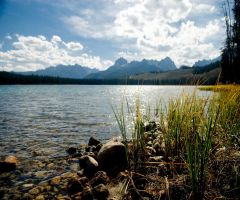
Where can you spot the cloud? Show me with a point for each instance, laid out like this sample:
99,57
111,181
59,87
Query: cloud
186,30
37,52
74,46
8,37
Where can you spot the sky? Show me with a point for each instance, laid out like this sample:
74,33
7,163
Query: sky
35,34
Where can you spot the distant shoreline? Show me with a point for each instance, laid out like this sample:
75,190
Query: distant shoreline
10,78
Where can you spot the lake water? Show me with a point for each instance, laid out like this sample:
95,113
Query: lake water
50,118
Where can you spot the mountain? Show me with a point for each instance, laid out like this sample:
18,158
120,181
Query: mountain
122,69
202,63
185,75
63,71
207,74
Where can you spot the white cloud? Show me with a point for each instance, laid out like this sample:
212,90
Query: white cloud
186,30
32,53
8,37
74,46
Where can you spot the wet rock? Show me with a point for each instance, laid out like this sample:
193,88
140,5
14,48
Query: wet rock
51,165
34,191
89,165
87,194
99,178
9,164
71,150
112,158
74,186
11,159
56,180
27,185
41,174
93,142
100,192
40,197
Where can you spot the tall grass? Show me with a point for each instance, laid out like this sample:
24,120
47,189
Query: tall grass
190,124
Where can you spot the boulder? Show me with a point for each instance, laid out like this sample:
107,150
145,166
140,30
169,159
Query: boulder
93,142
74,186
89,165
100,192
9,164
99,178
112,158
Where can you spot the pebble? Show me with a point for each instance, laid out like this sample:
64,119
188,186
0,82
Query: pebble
56,180
28,185
34,191
40,197
51,166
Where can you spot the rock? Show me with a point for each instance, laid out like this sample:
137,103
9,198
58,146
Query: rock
9,164
11,159
150,126
89,165
93,142
51,165
74,186
41,174
99,178
27,185
87,194
40,197
156,158
71,150
84,181
56,180
98,147
100,192
34,191
112,158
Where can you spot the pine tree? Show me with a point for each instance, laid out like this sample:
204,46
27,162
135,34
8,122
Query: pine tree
231,53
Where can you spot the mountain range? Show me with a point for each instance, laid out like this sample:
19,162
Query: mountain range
121,69
63,71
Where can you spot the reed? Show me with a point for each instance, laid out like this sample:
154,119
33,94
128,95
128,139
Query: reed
192,126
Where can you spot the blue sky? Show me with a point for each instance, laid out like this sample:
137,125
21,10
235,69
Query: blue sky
35,34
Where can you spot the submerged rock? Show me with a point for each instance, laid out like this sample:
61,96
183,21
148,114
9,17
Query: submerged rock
89,165
112,158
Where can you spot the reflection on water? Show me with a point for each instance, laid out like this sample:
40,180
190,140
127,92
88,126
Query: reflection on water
51,118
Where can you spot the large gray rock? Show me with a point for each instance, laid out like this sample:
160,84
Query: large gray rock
112,158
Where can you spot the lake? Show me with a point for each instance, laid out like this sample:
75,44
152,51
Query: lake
39,122
50,118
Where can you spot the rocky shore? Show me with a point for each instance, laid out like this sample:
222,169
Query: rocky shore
110,171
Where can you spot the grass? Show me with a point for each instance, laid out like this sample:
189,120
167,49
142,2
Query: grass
193,128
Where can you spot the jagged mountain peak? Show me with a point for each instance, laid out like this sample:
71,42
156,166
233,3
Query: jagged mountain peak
121,61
